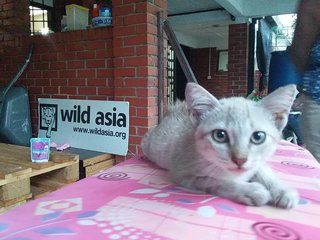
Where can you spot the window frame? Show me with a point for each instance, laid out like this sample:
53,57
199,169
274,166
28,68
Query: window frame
50,14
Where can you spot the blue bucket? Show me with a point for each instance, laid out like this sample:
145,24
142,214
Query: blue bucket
282,71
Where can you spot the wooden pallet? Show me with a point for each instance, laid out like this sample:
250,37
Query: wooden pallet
97,166
92,162
22,180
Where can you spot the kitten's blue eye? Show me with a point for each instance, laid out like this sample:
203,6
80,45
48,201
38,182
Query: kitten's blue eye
220,136
258,137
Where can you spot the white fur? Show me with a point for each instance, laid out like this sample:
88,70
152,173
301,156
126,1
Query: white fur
184,145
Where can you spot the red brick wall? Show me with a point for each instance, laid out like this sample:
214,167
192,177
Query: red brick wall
238,59
199,62
234,81
116,63
135,70
14,23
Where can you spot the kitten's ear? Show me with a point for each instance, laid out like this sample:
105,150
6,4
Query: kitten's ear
279,104
199,100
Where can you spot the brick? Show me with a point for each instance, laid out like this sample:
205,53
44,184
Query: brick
139,121
35,90
151,92
96,82
104,53
86,55
58,82
135,19
95,45
50,73
149,111
68,90
87,73
95,63
142,101
106,91
125,72
147,71
124,51
34,74
125,31
49,57
57,65
51,90
135,40
138,61
147,28
67,74
135,139
104,73
125,92
75,64
125,9
74,47
66,56
40,82
76,82
87,91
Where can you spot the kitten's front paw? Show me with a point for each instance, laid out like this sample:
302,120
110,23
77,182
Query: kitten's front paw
285,198
254,194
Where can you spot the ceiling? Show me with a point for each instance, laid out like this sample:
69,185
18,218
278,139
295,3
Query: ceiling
204,23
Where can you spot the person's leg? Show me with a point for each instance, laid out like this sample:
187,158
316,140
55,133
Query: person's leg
294,123
311,126
306,32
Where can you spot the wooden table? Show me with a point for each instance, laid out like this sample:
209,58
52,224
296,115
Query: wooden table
21,179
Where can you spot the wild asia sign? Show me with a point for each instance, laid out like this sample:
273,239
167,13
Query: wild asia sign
88,124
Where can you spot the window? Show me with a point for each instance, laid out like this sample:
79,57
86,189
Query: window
40,16
223,61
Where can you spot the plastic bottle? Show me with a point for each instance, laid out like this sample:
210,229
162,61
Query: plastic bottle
95,10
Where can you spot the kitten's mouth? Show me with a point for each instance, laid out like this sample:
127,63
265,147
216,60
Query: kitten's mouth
236,169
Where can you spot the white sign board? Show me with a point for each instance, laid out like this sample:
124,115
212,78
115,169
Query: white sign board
88,124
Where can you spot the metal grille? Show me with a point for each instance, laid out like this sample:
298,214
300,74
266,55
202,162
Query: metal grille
171,76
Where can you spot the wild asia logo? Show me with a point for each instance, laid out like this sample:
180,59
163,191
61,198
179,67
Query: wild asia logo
49,118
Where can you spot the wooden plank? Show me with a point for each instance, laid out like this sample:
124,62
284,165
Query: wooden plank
7,158
60,157
90,170
18,174
36,172
88,157
15,189
15,200
67,174
38,192
96,159
8,170
22,154
47,184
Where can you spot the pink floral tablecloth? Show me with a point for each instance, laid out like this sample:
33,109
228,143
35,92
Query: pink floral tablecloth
135,200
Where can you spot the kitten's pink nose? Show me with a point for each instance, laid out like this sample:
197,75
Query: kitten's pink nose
238,161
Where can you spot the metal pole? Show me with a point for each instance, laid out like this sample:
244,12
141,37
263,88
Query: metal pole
179,53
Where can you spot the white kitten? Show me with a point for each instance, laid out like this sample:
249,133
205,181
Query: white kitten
221,146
